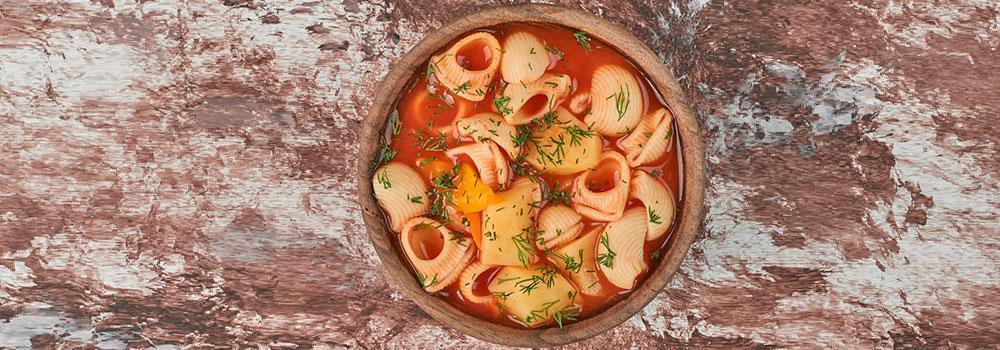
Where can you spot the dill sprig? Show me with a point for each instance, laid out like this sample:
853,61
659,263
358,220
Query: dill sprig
622,100
464,87
583,39
653,217
569,313
577,134
558,195
606,259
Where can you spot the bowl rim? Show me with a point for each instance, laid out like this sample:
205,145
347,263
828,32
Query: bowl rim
690,212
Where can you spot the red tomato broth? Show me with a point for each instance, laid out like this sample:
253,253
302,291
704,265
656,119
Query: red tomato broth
420,108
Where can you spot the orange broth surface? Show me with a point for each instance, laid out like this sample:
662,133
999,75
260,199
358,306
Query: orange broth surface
422,113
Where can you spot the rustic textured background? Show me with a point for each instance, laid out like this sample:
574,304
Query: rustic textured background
182,173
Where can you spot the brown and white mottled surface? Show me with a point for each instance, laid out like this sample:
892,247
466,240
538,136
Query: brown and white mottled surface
181,173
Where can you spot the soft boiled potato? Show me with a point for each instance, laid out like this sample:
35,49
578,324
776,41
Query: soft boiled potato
566,147
534,295
507,221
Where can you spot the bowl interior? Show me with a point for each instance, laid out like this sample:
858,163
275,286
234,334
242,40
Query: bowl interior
689,213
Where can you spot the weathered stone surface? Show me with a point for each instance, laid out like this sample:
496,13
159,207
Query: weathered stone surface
182,173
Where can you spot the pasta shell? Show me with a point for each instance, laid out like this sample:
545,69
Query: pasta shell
559,224
441,270
577,259
468,84
395,186
649,141
534,294
552,87
657,200
604,205
489,126
506,222
524,58
620,249
616,101
492,164
566,147
468,279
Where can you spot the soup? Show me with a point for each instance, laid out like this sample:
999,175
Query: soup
531,173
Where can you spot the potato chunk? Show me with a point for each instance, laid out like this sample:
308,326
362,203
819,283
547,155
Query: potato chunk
535,295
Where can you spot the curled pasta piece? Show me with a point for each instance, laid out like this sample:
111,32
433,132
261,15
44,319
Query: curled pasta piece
616,101
601,192
564,148
400,191
468,279
507,221
649,141
469,84
529,101
441,270
620,249
489,126
524,58
658,201
490,162
559,224
577,259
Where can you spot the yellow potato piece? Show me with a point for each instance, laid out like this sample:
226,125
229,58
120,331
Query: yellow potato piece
578,261
566,147
534,295
506,222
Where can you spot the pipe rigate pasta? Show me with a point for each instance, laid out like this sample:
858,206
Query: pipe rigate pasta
615,101
439,271
620,249
524,58
604,204
650,139
468,84
489,126
400,191
490,162
657,200
558,224
530,101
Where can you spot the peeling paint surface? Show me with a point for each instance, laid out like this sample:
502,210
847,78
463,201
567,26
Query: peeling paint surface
178,173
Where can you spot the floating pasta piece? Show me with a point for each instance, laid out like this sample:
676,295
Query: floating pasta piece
467,281
559,224
534,295
480,53
579,103
507,221
616,101
658,201
648,142
564,148
577,259
490,162
401,192
530,101
602,191
524,58
440,270
489,126
620,249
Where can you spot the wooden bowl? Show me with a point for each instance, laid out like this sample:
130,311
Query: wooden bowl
690,209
